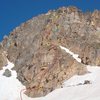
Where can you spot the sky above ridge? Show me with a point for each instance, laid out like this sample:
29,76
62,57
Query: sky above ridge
15,12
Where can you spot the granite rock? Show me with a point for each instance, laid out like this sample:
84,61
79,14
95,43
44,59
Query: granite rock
34,48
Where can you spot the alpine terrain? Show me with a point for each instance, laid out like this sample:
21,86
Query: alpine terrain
52,56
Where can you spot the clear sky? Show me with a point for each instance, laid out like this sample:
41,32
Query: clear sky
15,12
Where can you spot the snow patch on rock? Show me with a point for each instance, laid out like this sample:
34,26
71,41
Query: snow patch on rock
75,56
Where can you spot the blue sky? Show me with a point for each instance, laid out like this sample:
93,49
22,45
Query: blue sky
15,12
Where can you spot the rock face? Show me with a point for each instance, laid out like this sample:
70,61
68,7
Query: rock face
34,48
49,69
3,59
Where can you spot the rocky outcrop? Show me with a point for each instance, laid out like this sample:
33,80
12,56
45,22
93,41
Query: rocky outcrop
49,68
66,26
3,59
34,48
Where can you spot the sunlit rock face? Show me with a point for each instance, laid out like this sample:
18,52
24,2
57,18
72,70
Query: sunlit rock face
34,48
3,58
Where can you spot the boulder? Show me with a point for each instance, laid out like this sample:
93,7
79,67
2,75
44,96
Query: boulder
7,73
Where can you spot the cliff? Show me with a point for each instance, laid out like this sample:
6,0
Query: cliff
34,48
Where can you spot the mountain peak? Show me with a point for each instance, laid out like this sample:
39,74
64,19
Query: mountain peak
34,48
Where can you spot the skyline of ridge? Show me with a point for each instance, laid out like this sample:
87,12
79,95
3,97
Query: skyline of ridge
15,12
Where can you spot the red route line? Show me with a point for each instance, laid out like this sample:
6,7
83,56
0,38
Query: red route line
21,93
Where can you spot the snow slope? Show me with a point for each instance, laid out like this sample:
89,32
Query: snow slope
9,86
73,89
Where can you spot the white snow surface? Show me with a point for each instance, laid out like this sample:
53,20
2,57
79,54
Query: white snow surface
75,56
73,89
9,86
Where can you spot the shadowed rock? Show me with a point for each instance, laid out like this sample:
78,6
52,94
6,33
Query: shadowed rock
7,73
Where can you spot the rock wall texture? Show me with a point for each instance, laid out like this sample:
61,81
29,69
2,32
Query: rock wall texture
3,58
40,63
